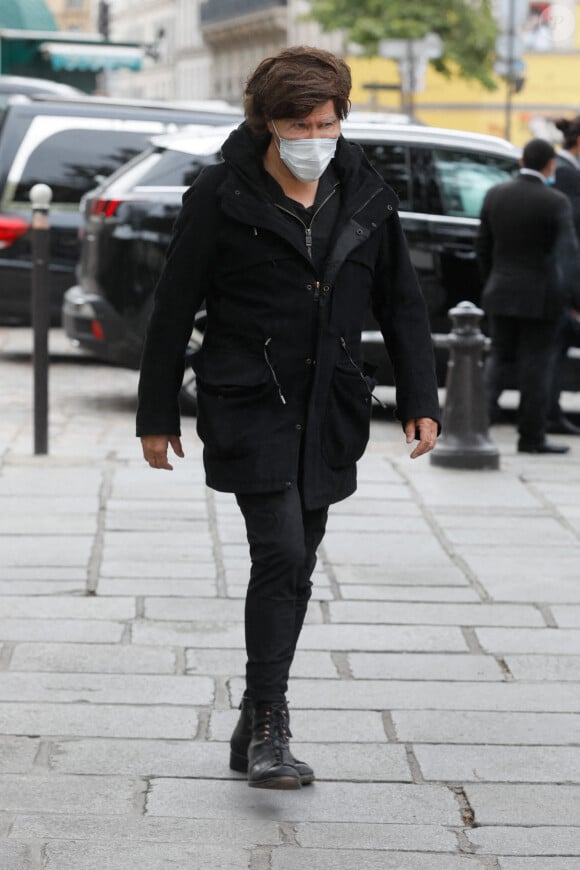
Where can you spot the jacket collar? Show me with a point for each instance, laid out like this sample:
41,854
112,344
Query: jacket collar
367,201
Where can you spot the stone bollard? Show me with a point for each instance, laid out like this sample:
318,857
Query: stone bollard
465,441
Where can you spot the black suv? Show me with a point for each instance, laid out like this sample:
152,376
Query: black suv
70,143
440,176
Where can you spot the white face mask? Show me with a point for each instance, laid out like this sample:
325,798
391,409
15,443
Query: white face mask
306,158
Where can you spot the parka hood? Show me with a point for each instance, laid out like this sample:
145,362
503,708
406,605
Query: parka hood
244,151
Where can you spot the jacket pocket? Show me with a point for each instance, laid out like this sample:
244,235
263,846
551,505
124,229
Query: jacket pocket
236,397
346,427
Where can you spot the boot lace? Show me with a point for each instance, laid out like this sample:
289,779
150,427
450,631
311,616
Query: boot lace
276,726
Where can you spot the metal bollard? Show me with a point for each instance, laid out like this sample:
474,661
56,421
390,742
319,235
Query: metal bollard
465,441
40,197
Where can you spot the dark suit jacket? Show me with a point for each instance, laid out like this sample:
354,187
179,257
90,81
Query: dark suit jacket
568,182
527,250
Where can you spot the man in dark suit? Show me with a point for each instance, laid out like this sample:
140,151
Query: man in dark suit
528,255
567,177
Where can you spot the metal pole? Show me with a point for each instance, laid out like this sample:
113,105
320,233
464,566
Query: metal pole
510,72
40,197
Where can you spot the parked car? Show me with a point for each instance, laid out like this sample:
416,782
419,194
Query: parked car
440,176
69,143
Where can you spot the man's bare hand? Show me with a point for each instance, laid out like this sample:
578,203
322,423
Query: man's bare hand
155,449
423,430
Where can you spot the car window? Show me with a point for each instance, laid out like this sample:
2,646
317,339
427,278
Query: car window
464,179
70,159
159,169
391,160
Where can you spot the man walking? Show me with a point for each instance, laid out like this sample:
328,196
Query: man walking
289,240
528,256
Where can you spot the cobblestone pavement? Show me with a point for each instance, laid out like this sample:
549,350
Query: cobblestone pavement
435,691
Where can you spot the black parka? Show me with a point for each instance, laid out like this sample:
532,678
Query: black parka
282,396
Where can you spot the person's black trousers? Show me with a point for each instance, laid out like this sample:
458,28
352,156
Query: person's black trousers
529,343
283,539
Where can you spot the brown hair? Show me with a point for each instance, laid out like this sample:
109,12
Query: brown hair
293,82
570,128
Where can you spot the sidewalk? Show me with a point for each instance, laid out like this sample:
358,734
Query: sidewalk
435,691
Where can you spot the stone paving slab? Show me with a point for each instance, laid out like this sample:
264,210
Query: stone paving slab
521,729
238,832
180,588
62,630
500,764
399,573
395,638
186,569
567,617
527,804
543,574
88,658
42,587
99,720
17,856
419,695
356,802
408,838
525,841
384,592
323,726
106,795
411,523
518,532
542,641
42,523
367,762
204,635
32,550
67,607
417,613
146,758
17,754
232,663
423,666
346,548
90,688
539,863
293,859
146,856
551,668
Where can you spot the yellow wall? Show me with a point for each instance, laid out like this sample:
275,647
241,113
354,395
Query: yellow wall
552,89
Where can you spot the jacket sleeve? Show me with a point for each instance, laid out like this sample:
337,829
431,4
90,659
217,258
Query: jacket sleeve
567,257
399,307
484,243
181,288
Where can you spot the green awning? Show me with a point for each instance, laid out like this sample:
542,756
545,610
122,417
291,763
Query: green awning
91,57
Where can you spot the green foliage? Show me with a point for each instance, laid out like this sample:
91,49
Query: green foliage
467,28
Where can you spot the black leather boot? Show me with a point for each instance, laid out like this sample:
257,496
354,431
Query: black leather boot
240,740
270,764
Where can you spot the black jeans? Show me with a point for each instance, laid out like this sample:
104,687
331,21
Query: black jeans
529,343
283,538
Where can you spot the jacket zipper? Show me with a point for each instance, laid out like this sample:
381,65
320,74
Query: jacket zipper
272,370
308,229
344,346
